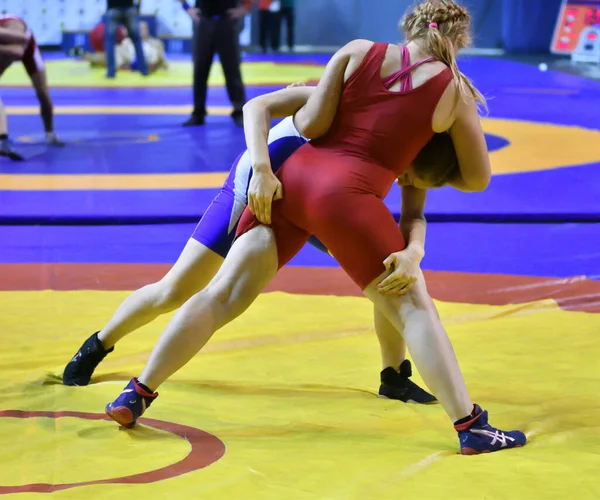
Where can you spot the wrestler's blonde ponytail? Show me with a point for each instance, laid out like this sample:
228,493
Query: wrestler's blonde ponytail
444,26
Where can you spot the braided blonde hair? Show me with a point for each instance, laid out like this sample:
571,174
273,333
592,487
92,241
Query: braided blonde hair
444,26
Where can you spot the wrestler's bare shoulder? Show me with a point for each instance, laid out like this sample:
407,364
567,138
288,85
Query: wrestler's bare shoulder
357,48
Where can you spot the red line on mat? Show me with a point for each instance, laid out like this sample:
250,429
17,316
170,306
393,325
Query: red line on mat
206,449
575,294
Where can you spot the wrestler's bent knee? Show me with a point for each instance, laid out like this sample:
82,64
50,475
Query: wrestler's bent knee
169,296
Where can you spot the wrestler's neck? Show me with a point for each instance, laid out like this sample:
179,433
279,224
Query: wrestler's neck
418,49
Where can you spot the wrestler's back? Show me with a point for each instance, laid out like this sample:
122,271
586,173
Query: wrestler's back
373,139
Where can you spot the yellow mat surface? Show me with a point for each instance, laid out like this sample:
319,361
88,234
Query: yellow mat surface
72,73
289,389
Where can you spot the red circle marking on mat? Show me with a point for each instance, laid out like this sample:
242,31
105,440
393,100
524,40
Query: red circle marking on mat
206,450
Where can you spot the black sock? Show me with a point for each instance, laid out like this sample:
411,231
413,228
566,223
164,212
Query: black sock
3,137
145,387
464,420
468,417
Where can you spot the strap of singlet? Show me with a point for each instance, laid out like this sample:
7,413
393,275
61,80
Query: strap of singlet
404,73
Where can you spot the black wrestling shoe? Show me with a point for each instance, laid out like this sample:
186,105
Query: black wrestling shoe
80,369
8,149
396,385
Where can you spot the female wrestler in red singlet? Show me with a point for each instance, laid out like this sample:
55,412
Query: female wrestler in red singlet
334,189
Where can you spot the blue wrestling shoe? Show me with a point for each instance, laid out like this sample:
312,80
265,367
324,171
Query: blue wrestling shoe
397,385
477,436
131,404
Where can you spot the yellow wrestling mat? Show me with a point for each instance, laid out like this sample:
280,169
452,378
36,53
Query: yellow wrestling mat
72,73
289,389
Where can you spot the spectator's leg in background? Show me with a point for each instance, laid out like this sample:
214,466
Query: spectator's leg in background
204,52
288,13
111,25
228,47
264,17
132,21
275,30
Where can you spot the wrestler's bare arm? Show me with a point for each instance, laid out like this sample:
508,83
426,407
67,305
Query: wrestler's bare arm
313,108
471,149
412,219
258,114
404,265
413,227
264,186
315,118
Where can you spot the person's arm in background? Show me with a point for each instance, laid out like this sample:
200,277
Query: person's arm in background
193,12
40,84
236,13
242,10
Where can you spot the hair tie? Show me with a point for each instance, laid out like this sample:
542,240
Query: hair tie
433,25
